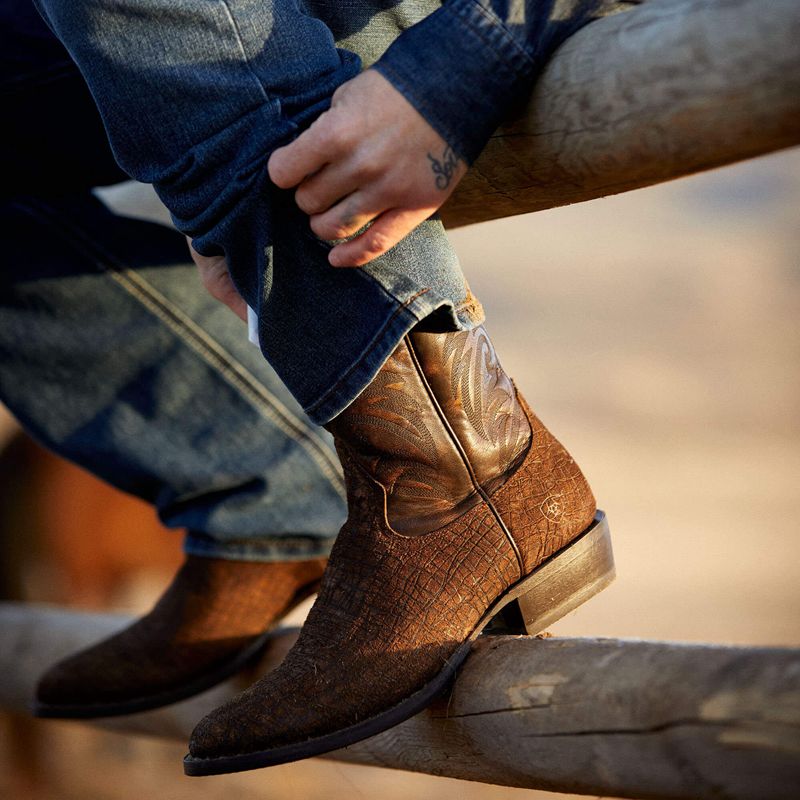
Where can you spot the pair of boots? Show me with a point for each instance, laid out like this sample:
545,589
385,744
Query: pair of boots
462,508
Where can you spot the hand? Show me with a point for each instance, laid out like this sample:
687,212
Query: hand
370,157
218,282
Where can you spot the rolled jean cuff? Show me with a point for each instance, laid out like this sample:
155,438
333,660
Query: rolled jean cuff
293,547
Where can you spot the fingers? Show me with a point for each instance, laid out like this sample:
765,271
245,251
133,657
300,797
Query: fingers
309,152
318,193
218,282
381,236
220,286
350,215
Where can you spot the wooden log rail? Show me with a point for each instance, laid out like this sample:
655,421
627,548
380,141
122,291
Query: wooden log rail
589,716
666,89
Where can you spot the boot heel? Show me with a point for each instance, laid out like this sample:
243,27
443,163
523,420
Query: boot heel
569,578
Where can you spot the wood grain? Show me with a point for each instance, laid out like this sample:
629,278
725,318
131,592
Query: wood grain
663,90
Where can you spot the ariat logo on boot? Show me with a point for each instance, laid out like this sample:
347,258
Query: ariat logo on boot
552,507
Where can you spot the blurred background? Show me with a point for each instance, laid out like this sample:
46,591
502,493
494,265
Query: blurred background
656,333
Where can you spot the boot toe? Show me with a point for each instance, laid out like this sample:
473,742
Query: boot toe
223,732
76,681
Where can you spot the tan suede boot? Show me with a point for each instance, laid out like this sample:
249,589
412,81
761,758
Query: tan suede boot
213,619
460,503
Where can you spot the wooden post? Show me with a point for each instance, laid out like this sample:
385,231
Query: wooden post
663,90
590,716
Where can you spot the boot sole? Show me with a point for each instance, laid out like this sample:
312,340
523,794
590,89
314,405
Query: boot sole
208,680
557,586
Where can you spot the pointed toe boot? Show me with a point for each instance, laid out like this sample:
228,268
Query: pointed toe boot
215,617
463,508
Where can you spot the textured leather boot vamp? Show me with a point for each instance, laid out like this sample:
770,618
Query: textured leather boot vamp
455,492
214,613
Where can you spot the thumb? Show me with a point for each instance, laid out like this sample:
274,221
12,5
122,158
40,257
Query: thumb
217,279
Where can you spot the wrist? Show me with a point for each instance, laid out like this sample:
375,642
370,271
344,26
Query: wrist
462,70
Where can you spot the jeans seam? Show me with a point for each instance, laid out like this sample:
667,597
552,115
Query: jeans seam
206,347
234,372
240,43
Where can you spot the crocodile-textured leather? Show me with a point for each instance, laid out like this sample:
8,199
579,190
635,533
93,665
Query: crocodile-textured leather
393,607
212,611
390,611
547,502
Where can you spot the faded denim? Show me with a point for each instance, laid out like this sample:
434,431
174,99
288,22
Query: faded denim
113,355
110,351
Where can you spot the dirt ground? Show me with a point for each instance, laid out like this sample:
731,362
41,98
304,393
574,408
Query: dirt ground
657,334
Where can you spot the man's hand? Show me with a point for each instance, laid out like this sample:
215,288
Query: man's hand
217,280
370,158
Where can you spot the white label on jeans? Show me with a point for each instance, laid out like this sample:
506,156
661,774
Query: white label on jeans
252,326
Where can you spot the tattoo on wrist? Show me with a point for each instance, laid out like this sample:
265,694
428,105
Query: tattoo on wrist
445,168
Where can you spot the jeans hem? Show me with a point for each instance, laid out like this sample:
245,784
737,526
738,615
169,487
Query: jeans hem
296,548
464,316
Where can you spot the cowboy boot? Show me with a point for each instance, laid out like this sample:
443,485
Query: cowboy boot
461,504
214,618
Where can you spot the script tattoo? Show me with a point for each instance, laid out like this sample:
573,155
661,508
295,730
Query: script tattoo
444,169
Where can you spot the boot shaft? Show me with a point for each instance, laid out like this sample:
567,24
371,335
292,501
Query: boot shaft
439,428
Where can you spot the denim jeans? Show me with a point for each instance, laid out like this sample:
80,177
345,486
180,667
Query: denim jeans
113,355
110,352
196,96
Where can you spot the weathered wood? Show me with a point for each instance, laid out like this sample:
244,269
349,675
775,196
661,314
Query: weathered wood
591,716
666,89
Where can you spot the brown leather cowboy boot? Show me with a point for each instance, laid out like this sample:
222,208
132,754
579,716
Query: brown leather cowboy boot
213,619
460,504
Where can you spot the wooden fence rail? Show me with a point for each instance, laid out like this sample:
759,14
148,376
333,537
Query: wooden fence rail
590,716
666,89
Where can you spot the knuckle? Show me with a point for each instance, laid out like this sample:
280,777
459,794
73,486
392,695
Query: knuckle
305,201
340,231
339,131
367,168
334,230
377,242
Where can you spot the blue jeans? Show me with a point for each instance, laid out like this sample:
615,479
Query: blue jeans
195,97
110,351
113,355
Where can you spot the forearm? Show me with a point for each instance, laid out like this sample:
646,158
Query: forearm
468,63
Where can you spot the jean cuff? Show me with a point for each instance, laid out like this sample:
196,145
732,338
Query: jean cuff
427,309
293,547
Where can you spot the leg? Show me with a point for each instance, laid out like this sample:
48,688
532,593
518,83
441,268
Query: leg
459,499
463,506
112,354
197,112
